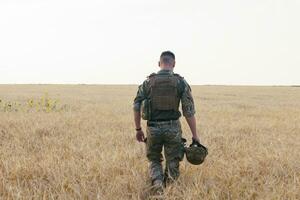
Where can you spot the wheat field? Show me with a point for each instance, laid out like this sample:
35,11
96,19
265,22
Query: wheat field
84,146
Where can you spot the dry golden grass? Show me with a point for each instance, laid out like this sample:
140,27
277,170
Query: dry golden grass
90,152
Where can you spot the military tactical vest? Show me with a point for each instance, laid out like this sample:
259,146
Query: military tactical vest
164,96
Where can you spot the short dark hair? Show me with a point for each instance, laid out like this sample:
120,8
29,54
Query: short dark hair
167,54
167,57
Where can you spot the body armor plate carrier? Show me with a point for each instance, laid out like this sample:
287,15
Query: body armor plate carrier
164,92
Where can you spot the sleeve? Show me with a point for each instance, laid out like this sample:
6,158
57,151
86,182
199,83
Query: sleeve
187,101
140,96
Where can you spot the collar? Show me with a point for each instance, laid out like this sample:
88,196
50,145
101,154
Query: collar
165,71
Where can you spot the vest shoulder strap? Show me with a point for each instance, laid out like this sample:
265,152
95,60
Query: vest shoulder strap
151,75
178,75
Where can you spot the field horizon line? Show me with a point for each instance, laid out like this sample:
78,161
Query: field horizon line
131,84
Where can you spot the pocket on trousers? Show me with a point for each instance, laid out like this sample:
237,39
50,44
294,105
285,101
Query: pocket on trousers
153,131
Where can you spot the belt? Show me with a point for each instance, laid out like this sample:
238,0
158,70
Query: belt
161,120
155,122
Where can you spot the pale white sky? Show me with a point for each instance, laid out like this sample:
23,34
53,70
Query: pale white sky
119,41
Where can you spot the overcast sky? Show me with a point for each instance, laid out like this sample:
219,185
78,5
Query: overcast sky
253,42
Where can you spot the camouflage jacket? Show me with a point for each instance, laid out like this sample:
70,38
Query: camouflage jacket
187,102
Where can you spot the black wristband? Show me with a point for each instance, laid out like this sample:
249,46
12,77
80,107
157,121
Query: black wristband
138,129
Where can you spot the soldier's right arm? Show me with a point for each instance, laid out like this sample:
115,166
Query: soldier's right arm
140,96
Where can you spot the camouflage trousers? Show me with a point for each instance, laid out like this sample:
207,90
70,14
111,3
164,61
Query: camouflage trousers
167,135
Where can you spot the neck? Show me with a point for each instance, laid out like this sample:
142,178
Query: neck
167,68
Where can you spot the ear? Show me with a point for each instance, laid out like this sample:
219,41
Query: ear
174,64
159,63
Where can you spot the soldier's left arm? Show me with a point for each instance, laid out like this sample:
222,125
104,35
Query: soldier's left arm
188,109
187,101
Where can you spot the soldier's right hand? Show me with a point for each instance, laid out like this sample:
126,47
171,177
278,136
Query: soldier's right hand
140,136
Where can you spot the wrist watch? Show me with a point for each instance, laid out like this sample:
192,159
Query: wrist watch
138,129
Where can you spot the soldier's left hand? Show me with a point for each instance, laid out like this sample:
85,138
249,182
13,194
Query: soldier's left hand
196,138
140,136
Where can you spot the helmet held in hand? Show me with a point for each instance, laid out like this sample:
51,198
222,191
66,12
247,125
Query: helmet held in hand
196,153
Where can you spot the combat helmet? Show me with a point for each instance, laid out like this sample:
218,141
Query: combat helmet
196,153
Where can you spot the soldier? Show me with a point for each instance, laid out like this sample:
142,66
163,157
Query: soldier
158,98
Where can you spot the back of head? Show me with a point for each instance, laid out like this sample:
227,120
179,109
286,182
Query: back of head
167,60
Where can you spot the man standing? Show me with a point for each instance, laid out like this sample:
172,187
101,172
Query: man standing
158,98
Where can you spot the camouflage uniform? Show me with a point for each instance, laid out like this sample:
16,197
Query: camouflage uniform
167,132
